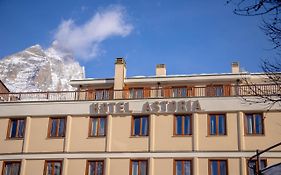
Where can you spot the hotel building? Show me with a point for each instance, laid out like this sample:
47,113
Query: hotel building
153,125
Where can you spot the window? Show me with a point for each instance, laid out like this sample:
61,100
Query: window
179,92
97,126
182,125
136,93
218,167
183,167
57,127
217,124
252,163
53,168
254,124
11,168
182,91
16,128
102,94
138,167
218,90
140,126
95,167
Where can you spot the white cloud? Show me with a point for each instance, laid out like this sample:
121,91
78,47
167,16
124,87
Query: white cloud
84,40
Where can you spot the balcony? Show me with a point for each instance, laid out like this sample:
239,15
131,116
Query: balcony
145,93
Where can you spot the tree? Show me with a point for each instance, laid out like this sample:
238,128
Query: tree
269,90
270,12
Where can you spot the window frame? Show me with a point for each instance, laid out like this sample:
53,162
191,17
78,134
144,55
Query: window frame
183,125
135,90
182,160
211,90
254,124
10,162
139,161
217,124
91,125
57,129
133,125
88,163
8,136
105,94
189,91
179,90
262,159
219,160
52,161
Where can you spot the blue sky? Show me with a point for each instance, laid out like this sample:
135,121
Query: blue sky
190,37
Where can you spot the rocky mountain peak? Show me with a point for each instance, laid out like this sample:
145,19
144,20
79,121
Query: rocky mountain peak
38,69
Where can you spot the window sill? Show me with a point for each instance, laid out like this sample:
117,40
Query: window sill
96,137
15,138
187,135
53,137
217,135
145,136
253,135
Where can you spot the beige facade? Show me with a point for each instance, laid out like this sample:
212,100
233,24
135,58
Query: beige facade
160,123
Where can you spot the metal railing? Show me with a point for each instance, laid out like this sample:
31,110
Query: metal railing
145,93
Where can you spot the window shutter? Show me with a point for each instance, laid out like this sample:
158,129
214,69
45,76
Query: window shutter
190,91
126,92
226,90
167,91
209,91
111,92
146,92
90,94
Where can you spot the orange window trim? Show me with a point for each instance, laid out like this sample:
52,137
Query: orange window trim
219,161
53,165
58,119
8,136
182,161
98,126
217,124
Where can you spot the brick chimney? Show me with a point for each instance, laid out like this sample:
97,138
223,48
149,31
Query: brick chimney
235,68
160,70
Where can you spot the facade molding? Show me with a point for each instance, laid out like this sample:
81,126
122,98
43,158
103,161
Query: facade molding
129,155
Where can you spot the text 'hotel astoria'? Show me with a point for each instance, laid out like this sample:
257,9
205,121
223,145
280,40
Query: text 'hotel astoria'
153,125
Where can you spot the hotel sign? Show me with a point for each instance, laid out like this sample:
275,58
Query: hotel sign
147,107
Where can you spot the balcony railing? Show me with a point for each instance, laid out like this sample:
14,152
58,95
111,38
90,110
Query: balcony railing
145,93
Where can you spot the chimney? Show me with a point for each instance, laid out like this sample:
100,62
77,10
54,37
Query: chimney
120,73
235,68
160,70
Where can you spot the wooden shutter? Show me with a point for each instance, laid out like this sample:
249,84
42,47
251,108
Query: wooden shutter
146,92
190,91
209,91
90,94
126,92
226,90
167,91
111,92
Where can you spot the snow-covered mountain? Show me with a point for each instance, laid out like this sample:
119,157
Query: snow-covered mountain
36,69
